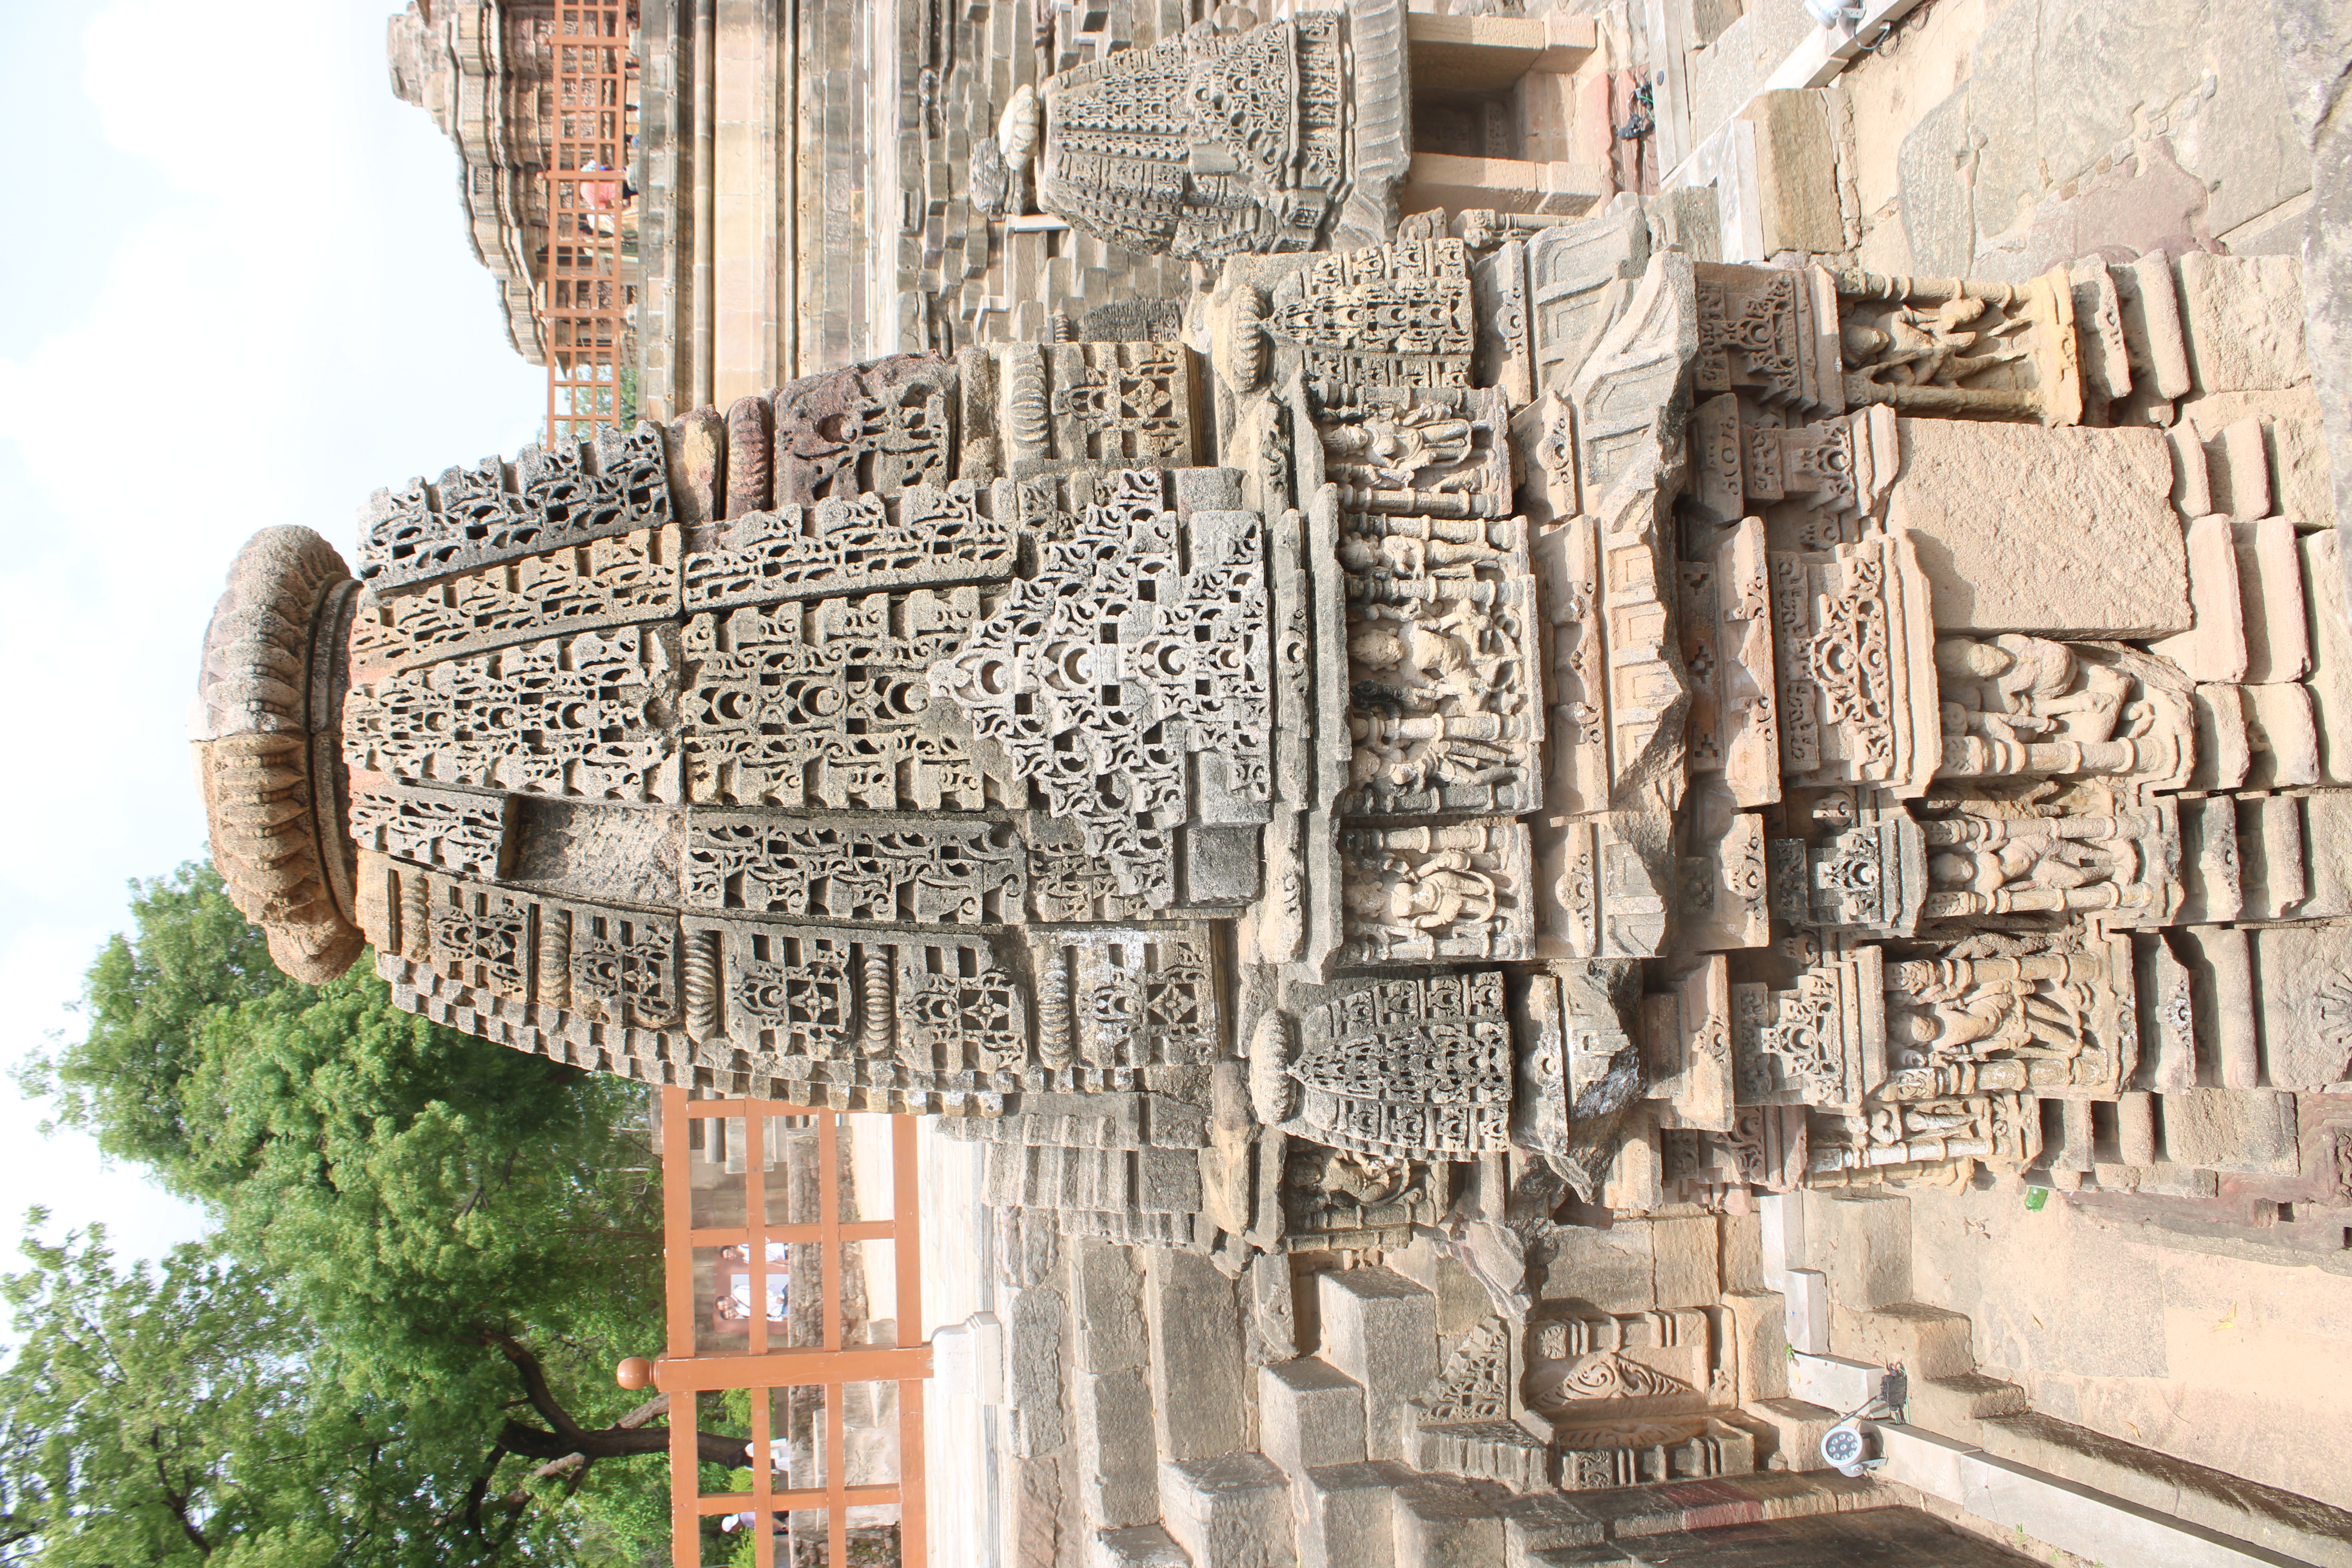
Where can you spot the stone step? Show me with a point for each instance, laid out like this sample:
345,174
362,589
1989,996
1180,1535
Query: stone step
1542,1522
1797,1426
1927,1341
1954,1405
1347,1515
1230,1512
1309,1415
1380,1329
1499,1451
1444,1521
1137,1546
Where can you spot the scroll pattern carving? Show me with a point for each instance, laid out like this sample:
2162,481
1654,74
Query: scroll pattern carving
605,582
1398,315
449,829
472,518
880,428
926,536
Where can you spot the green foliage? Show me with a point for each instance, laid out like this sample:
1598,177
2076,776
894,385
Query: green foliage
415,1222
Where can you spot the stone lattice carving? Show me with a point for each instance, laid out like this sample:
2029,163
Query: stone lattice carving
924,536
1408,1067
578,716
827,704
1100,700
928,870
552,499
1475,1382
1769,332
1118,1000
1851,635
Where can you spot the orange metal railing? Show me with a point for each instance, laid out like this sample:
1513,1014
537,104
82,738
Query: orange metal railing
791,1344
584,298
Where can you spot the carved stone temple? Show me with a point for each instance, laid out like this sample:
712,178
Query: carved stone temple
1428,719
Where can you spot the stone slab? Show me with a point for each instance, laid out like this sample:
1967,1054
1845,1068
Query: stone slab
2252,1131
2302,982
2281,735
1863,1243
1231,1510
2062,532
2214,646
1441,1523
1118,1467
2326,854
2238,471
1687,1261
1137,1546
2271,858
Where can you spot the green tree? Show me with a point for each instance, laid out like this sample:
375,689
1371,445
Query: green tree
469,1235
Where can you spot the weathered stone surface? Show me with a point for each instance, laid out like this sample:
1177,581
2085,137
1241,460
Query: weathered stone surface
1231,1510
1137,1546
1380,1329
2329,606
2214,646
2211,885
2328,853
2221,981
2062,532
1347,1514
2243,317
2303,482
1442,1522
2238,471
1111,1438
2283,735
1196,1356
1609,1270
2250,1131
2303,977
2150,302
2270,856
1863,1242
1109,1316
1309,1413
1034,1346
1686,1260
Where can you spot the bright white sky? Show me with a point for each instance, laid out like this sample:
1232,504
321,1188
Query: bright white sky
238,293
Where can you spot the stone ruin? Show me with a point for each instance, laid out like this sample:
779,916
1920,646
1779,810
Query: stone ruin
1496,717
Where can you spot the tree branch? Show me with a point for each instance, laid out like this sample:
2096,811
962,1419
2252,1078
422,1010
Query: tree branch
177,1501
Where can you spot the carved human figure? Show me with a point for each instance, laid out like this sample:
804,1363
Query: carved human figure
2056,863
2018,687
1442,891
1913,346
1392,450
1344,1178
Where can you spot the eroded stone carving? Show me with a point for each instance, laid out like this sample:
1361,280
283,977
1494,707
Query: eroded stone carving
1408,1067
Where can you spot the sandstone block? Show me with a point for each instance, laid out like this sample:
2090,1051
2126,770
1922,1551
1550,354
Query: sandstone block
1545,1521
2192,478
1034,1344
2238,471
2326,854
2282,736
2136,1129
1686,1260
1309,1415
1229,1512
2214,646
2249,1131
2211,887
2329,619
1441,1523
1197,1390
2270,856
1797,1426
1117,1470
2167,1017
2302,485
1346,1516
1863,1243
2270,584
2241,317
1380,1329
1759,1331
2149,299
2303,977
2221,981
2066,533
1109,1307
2099,330
2224,749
